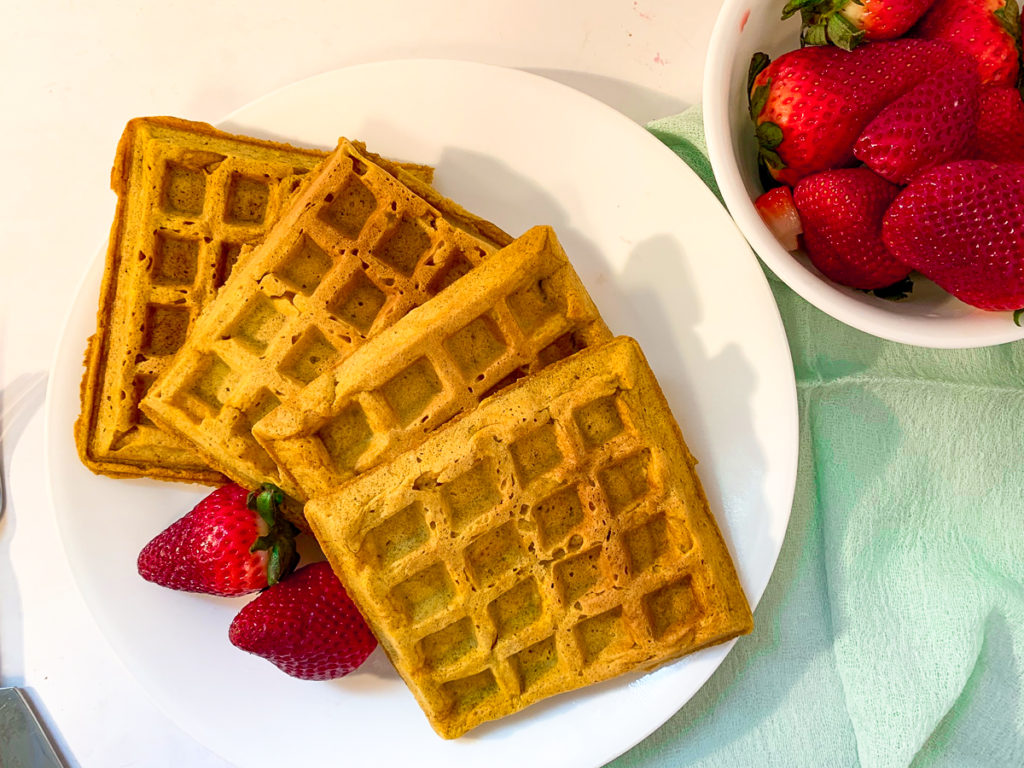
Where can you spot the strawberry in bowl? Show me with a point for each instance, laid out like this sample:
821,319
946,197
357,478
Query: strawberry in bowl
960,224
811,146
847,23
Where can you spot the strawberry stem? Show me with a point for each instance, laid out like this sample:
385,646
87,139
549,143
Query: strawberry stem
1016,316
279,539
824,24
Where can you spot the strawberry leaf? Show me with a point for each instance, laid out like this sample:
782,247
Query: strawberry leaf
1009,19
814,8
797,5
823,23
769,135
282,555
266,502
758,99
842,33
758,63
771,159
263,542
279,539
1016,316
813,33
765,177
283,559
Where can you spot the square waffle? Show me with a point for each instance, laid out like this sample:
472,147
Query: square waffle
360,244
189,197
512,315
556,536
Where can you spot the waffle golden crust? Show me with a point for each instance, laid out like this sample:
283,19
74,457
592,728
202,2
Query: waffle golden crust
512,315
356,249
189,197
554,537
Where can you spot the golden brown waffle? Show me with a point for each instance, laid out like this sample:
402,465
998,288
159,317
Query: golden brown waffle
555,536
512,315
189,197
354,252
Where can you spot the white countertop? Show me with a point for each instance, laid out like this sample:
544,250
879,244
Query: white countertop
75,73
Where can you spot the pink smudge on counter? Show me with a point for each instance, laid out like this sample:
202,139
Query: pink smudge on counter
744,19
659,60
641,14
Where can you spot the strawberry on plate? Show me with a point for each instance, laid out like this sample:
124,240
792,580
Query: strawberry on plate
986,30
306,625
810,105
846,23
232,543
1000,130
842,212
960,225
932,123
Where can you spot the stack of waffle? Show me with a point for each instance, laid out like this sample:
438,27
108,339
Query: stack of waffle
497,481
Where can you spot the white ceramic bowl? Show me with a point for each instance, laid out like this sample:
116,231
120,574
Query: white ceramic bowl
929,317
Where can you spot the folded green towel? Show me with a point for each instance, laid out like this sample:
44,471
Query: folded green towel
892,632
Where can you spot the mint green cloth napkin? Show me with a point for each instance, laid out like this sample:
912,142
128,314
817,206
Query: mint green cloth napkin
892,632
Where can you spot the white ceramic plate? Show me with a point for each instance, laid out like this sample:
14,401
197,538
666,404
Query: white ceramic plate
930,317
664,263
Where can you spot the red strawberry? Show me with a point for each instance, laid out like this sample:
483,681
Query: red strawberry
1000,134
232,543
986,30
846,23
960,224
778,211
307,625
842,215
932,123
810,105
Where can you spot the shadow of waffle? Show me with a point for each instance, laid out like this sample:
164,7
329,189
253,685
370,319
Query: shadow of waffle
666,334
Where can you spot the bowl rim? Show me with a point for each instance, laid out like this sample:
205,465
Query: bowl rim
840,303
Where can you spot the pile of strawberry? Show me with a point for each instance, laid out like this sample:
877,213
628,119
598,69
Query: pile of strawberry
235,543
896,138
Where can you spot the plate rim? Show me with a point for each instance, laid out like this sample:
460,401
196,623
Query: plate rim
789,412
